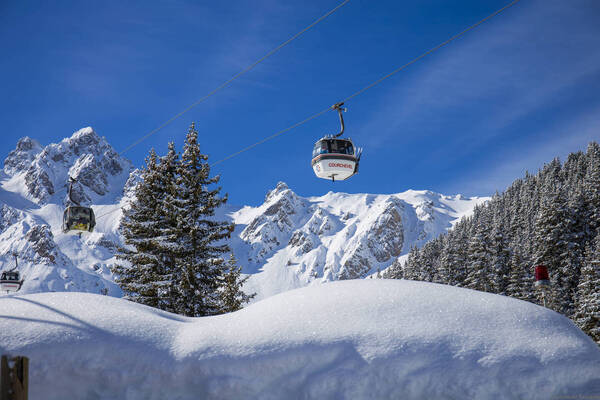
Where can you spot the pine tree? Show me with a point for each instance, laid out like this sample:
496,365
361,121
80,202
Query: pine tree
592,185
587,314
199,237
167,236
233,297
174,244
411,268
551,247
499,256
520,283
143,277
479,272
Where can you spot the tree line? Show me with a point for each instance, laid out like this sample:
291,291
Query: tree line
173,257
551,218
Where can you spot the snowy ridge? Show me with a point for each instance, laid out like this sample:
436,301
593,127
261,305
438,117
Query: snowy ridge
287,242
33,192
352,339
290,241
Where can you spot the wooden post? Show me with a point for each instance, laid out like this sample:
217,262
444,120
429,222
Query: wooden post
14,381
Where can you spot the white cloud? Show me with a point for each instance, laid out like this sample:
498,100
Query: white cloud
504,70
568,137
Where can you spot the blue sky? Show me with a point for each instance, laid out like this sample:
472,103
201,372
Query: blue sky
470,118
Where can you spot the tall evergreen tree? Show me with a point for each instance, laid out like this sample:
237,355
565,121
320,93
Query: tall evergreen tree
479,276
520,282
200,237
143,276
233,297
174,243
552,246
587,314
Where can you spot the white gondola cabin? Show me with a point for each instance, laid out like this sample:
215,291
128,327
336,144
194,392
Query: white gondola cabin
333,157
10,281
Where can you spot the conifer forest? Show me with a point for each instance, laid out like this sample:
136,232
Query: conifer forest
551,218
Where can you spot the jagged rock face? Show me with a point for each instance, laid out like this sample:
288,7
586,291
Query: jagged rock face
302,241
9,216
298,241
21,157
382,239
84,156
42,242
273,227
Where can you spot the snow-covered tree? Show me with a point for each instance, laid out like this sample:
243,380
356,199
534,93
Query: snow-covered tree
233,297
143,276
199,236
520,282
587,314
479,275
174,242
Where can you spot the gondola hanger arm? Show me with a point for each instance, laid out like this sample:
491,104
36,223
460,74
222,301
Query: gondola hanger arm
338,107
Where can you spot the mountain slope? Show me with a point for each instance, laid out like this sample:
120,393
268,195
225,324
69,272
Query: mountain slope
33,192
287,242
290,241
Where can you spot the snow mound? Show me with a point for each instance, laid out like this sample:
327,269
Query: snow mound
347,339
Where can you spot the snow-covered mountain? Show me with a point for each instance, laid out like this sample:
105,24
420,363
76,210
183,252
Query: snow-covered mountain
290,241
33,192
287,242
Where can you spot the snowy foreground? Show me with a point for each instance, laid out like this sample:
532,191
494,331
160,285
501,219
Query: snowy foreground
363,339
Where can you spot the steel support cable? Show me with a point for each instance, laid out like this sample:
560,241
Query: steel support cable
229,81
233,78
369,86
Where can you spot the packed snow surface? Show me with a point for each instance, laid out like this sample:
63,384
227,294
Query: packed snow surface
359,339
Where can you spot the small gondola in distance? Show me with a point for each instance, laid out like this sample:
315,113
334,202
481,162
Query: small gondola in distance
10,281
77,218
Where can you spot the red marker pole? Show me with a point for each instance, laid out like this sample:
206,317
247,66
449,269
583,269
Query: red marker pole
542,280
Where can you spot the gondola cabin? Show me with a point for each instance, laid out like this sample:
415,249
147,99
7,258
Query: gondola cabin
335,159
10,281
78,219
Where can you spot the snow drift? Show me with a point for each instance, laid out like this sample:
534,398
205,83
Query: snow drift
348,339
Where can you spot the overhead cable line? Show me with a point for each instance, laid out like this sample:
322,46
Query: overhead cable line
233,78
369,86
228,82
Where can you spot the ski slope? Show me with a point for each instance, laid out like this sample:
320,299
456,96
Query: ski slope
359,339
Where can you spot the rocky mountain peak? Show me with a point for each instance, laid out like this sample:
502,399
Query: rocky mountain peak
22,156
280,188
84,156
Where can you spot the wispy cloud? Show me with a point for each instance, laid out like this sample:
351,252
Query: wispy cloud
570,136
502,71
513,78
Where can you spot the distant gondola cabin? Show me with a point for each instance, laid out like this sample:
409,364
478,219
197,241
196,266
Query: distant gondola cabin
10,281
78,219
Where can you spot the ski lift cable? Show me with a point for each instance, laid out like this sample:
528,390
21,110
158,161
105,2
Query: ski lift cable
230,80
236,76
369,86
